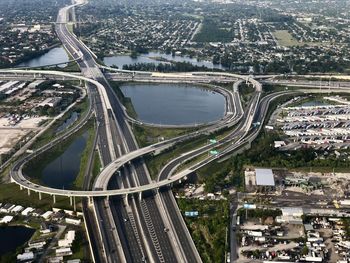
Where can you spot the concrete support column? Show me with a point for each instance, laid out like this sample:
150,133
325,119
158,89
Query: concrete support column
91,199
74,204
54,199
28,192
126,200
39,195
21,187
71,201
140,196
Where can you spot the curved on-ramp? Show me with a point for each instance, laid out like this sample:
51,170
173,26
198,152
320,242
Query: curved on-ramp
109,171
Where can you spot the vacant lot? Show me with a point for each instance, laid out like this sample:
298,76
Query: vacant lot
10,135
284,38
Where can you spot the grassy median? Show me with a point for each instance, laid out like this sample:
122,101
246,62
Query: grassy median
146,135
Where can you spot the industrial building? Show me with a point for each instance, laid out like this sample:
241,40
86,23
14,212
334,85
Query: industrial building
7,88
51,102
259,180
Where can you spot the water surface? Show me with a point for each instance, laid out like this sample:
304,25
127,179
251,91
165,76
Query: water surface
68,122
53,56
153,57
12,237
62,172
175,104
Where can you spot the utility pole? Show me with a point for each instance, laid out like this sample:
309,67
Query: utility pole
226,244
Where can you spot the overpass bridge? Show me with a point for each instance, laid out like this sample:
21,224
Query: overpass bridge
112,168
18,177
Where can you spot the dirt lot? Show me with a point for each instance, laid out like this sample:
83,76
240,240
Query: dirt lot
10,135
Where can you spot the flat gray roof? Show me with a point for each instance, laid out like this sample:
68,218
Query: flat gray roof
264,177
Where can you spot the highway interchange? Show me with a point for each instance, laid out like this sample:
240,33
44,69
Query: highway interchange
147,227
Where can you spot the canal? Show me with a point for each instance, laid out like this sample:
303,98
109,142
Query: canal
63,170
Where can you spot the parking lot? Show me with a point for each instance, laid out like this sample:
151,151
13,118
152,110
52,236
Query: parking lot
323,127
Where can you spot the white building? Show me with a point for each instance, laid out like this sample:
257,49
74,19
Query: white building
47,215
65,251
68,239
6,219
73,221
27,211
51,102
25,256
17,209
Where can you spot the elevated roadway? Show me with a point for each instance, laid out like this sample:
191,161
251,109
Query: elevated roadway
18,176
118,147
147,213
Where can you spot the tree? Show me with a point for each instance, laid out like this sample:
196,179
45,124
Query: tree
305,250
134,54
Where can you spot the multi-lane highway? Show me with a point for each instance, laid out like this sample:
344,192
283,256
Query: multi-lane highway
143,217
148,227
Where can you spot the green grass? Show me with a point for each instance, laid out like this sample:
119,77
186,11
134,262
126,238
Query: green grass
246,93
96,168
209,229
211,31
191,162
155,163
146,135
5,175
79,181
50,133
284,38
71,67
70,27
11,193
124,100
80,246
317,98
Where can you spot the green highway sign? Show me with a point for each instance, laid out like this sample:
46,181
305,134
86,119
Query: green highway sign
214,152
212,141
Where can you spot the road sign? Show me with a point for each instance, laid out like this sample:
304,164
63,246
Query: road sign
214,152
212,141
249,206
191,213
